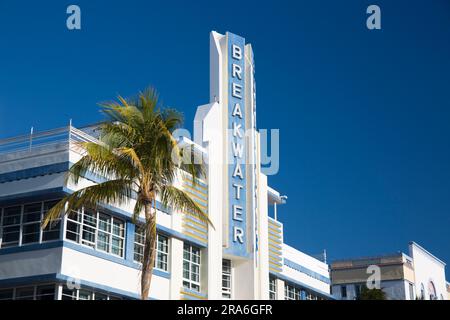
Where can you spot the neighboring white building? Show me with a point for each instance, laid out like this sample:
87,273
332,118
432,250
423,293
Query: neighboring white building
95,254
419,275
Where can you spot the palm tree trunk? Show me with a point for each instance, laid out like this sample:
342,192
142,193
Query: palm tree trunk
149,250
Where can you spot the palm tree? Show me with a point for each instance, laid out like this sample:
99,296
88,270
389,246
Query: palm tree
141,159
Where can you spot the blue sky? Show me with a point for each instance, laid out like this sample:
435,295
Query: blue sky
363,115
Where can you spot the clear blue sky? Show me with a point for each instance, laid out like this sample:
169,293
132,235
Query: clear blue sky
364,115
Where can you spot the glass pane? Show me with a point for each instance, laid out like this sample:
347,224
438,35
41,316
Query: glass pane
69,294
32,212
25,293
89,234
11,215
118,228
6,294
10,236
84,295
73,231
45,292
100,296
104,222
195,287
51,232
30,233
103,241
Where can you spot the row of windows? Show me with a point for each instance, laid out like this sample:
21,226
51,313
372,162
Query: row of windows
21,225
97,230
49,292
291,292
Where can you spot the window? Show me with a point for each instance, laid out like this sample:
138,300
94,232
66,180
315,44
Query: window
31,221
24,293
432,290
11,226
272,288
6,294
96,230
343,291
358,289
226,279
422,291
84,294
411,291
291,292
191,267
162,249
21,224
40,292
46,292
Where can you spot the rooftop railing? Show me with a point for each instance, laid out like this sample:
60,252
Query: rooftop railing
29,142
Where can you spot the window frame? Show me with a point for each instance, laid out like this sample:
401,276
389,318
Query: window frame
272,288
190,283
227,290
83,227
158,252
22,225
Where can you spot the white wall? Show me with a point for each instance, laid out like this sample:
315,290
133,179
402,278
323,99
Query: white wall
427,268
308,262
108,273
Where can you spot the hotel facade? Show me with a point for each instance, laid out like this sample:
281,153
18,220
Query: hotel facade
96,254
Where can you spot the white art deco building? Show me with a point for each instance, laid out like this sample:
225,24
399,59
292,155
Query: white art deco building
95,254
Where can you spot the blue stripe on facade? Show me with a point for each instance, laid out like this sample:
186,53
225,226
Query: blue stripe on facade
39,195
198,183
202,196
32,247
307,271
34,172
194,227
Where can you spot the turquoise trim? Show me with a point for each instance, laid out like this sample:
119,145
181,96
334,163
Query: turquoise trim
309,272
278,224
195,219
198,183
196,227
194,232
278,235
202,196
